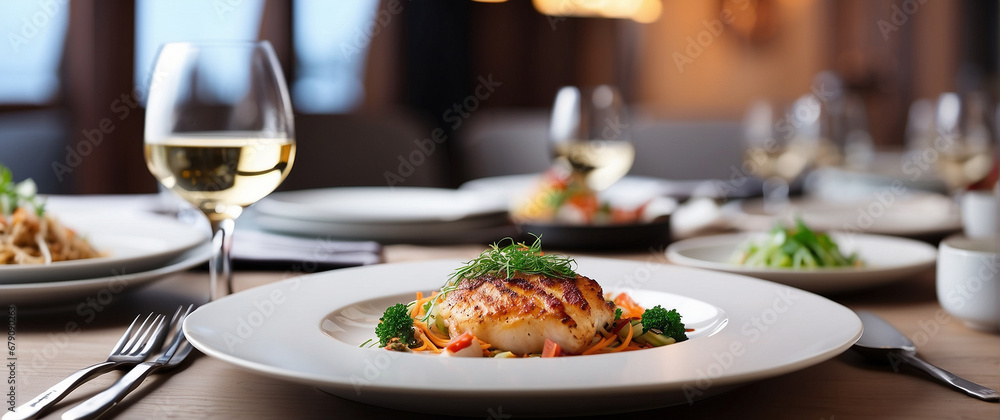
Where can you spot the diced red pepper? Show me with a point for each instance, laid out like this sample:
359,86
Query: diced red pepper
460,342
551,349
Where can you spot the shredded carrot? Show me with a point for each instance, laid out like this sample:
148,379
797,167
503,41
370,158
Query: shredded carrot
630,309
428,343
434,338
416,307
600,344
625,343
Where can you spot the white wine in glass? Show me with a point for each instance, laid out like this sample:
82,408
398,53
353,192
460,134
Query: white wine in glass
964,139
230,169
219,133
780,147
590,135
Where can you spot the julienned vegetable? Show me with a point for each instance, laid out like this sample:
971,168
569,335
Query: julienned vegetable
797,247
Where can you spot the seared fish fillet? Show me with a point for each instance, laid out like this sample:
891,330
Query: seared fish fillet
518,314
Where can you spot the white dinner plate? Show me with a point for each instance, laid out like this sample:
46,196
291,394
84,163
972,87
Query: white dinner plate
470,230
886,259
133,242
882,212
380,205
308,330
49,293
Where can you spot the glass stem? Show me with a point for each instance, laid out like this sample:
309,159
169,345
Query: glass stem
776,192
220,266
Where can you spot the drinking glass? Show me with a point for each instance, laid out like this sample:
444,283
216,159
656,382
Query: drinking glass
219,133
964,139
780,146
590,135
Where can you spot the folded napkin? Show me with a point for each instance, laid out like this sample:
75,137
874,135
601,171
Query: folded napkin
254,249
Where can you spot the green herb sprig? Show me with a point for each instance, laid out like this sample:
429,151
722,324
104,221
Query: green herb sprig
517,257
14,195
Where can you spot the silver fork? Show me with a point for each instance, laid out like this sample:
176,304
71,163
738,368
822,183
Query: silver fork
171,357
130,349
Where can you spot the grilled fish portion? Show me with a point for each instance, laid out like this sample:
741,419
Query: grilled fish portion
519,313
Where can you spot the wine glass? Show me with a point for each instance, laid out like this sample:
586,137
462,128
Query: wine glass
780,146
964,139
590,135
219,133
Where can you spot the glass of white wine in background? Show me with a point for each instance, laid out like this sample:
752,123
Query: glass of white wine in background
779,146
964,139
219,133
590,135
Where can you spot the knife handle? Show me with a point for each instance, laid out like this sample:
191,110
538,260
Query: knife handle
971,388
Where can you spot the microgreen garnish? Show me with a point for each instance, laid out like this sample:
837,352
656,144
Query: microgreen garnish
517,257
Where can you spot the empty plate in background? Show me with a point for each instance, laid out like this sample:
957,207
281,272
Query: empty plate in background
387,215
381,205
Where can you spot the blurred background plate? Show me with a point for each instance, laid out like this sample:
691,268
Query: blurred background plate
628,189
48,293
600,238
380,205
909,215
133,241
470,230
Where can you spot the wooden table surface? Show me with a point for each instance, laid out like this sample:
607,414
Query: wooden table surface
844,387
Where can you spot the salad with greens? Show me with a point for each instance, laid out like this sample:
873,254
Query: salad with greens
798,247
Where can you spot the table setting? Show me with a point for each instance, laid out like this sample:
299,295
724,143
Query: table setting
622,294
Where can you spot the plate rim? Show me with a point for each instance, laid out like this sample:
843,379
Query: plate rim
733,212
273,206
187,260
282,371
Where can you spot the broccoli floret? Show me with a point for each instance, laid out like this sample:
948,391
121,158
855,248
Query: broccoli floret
667,323
395,323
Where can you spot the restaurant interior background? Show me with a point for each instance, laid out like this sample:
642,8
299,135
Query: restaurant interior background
371,80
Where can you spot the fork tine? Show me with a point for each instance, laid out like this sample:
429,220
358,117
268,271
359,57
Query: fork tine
136,337
173,321
157,337
178,335
128,333
148,336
